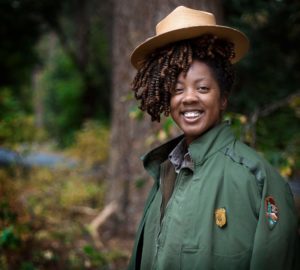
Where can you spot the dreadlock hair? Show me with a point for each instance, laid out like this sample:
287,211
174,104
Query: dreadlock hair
157,75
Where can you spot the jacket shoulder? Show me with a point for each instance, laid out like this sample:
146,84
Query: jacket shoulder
253,162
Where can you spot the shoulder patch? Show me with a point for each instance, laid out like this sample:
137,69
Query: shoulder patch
272,212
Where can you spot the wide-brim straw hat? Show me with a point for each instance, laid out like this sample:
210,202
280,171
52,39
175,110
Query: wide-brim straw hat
185,23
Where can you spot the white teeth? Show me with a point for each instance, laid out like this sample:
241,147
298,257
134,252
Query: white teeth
191,114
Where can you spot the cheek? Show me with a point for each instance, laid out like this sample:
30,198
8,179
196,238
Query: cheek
211,101
215,105
173,103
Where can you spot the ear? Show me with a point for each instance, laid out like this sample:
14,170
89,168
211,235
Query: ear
224,102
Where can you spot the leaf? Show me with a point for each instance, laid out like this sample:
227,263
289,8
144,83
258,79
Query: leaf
8,239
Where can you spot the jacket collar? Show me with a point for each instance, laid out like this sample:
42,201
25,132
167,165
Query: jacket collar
210,142
155,157
200,149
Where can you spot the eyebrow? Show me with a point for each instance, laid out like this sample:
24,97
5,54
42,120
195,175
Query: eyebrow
197,81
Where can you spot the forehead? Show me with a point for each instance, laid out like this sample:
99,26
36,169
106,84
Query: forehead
197,70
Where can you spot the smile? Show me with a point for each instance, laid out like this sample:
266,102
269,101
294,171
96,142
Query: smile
192,115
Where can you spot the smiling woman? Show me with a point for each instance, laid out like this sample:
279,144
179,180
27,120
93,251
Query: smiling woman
215,202
196,102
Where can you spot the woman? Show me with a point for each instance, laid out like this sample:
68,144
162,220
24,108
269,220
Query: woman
215,203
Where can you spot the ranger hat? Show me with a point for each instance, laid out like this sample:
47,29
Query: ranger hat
185,23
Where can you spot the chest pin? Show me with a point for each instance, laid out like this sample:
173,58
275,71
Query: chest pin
220,217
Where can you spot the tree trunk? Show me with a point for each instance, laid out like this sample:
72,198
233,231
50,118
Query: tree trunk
134,21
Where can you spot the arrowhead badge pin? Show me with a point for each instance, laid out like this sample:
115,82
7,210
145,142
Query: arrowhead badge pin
220,217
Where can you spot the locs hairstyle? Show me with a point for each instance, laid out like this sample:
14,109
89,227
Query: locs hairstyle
157,75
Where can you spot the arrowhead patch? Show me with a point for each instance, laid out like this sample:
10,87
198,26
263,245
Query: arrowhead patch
272,212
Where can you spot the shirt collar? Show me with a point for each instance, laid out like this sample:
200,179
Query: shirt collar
180,157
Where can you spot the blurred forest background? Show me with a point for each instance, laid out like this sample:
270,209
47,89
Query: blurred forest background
72,187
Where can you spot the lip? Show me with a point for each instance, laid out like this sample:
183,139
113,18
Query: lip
191,116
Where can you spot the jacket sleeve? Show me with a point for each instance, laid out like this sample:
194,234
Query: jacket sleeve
276,245
134,262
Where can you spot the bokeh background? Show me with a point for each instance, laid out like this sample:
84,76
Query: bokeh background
72,187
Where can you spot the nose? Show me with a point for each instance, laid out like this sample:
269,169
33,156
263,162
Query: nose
190,96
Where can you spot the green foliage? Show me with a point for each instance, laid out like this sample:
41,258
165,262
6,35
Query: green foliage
27,266
102,260
281,146
16,126
285,127
18,57
76,82
83,28
135,113
270,71
9,239
91,144
99,69
269,74
24,21
95,258
21,22
45,212
62,86
238,123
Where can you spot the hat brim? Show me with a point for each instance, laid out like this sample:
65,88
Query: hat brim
240,41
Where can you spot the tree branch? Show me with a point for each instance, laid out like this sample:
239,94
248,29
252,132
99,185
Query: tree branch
84,210
267,110
96,223
277,104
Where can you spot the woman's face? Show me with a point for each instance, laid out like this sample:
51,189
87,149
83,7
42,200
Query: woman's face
196,103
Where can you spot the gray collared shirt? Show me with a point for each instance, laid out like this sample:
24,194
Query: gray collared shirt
180,157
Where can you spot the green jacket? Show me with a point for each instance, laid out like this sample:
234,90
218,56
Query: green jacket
218,216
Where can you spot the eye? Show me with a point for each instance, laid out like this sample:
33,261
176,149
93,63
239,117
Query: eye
178,90
202,89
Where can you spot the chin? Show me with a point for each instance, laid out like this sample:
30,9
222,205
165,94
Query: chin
189,133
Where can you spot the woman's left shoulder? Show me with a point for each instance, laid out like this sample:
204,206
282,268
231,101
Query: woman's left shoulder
254,162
